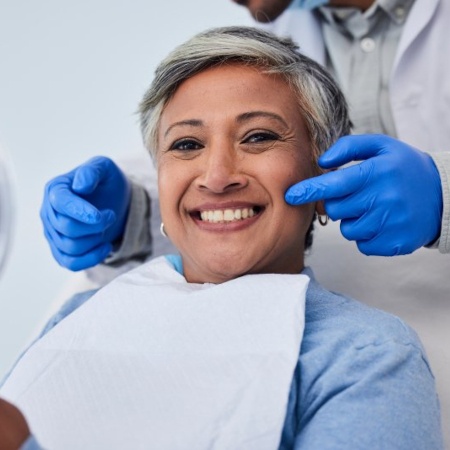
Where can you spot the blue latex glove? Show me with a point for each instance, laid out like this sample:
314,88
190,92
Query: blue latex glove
390,203
84,212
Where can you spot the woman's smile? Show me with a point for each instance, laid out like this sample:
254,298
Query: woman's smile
231,216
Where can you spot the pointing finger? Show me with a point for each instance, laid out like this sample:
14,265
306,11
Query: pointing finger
339,183
354,148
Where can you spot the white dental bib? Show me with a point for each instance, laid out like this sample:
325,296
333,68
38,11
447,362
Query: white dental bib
153,362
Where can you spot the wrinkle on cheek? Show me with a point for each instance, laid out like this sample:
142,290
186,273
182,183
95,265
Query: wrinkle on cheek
164,175
302,166
158,157
163,161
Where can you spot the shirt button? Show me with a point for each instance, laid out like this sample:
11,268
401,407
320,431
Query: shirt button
400,12
367,45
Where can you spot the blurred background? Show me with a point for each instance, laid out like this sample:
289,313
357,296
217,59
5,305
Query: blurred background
71,76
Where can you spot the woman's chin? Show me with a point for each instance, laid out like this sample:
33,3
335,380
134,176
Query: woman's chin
217,270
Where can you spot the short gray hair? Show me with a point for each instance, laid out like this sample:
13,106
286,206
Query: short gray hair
321,101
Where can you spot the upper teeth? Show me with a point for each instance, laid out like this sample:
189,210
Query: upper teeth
226,215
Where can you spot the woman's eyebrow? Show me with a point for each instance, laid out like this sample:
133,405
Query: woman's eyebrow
190,122
255,114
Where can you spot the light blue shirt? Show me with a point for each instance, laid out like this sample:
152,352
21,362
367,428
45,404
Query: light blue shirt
31,444
362,380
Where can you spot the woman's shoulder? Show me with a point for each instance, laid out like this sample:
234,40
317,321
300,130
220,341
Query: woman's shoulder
362,370
333,315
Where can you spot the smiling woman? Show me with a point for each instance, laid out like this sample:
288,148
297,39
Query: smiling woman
232,121
206,349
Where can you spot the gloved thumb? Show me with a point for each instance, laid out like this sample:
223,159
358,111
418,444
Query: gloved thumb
86,179
108,217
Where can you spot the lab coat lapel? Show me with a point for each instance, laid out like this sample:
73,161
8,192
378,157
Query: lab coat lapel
420,16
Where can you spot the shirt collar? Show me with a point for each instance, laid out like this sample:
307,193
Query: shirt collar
397,10
359,23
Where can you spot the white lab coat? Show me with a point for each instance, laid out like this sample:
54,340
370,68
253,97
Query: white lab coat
415,287
421,105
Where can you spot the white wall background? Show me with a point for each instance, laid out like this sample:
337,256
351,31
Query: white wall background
71,76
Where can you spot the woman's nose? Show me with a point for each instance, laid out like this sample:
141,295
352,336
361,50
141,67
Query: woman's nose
222,171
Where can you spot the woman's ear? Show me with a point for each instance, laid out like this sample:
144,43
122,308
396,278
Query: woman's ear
320,208
322,216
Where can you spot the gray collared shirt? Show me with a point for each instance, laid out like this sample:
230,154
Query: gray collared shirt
361,48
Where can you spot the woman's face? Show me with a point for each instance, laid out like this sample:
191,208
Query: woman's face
231,141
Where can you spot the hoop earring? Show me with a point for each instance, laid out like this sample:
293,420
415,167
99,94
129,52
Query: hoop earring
162,230
323,219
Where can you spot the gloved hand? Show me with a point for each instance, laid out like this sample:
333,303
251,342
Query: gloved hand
390,203
84,211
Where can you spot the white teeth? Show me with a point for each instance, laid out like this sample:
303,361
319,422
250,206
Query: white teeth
227,215
218,215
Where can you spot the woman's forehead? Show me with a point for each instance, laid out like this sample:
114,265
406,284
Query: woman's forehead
231,89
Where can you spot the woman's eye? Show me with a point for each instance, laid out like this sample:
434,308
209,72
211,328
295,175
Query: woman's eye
186,145
256,138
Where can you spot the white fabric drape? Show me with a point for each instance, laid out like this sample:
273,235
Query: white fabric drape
152,361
